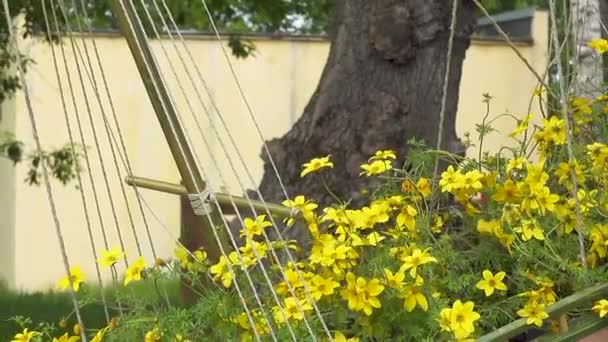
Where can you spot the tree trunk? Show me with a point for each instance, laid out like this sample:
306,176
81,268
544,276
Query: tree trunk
382,85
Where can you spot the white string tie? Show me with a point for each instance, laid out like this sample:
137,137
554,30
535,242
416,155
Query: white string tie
201,203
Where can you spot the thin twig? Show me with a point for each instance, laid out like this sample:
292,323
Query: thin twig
511,44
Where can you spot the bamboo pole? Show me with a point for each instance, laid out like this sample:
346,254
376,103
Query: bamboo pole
224,200
167,116
571,302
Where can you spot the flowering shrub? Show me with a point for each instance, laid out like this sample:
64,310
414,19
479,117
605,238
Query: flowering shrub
496,238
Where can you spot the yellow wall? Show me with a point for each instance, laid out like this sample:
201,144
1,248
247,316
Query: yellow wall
493,68
277,82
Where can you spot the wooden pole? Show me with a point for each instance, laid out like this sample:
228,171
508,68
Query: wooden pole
167,116
226,201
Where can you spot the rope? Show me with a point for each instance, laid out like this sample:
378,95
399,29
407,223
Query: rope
446,81
126,160
242,93
82,139
72,144
200,203
190,174
95,137
43,166
93,81
230,160
197,158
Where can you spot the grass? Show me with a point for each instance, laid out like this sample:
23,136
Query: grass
52,306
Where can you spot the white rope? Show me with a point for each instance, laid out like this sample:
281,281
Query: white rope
275,226
126,161
446,81
245,101
307,292
201,204
90,73
45,175
82,140
206,176
96,140
190,174
78,176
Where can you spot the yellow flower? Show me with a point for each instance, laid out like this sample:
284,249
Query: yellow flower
198,263
492,282
506,240
134,271
553,131
564,172
394,280
293,309
180,338
449,179
316,164
599,154
307,208
153,335
76,276
462,319
320,286
370,240
250,253
259,319
530,229
376,167
417,258
539,198
100,335
413,296
110,257
599,240
222,270
66,338
517,163
255,228
407,217
341,338
599,45
522,126
507,193
25,336
424,187
488,227
534,313
182,255
361,294
437,224
445,319
383,154
376,213
601,307
471,181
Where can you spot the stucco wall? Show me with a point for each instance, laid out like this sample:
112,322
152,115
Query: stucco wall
277,82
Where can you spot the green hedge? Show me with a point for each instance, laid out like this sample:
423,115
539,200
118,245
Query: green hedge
42,307
52,306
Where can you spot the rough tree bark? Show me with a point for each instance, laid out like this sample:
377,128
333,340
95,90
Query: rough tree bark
382,84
